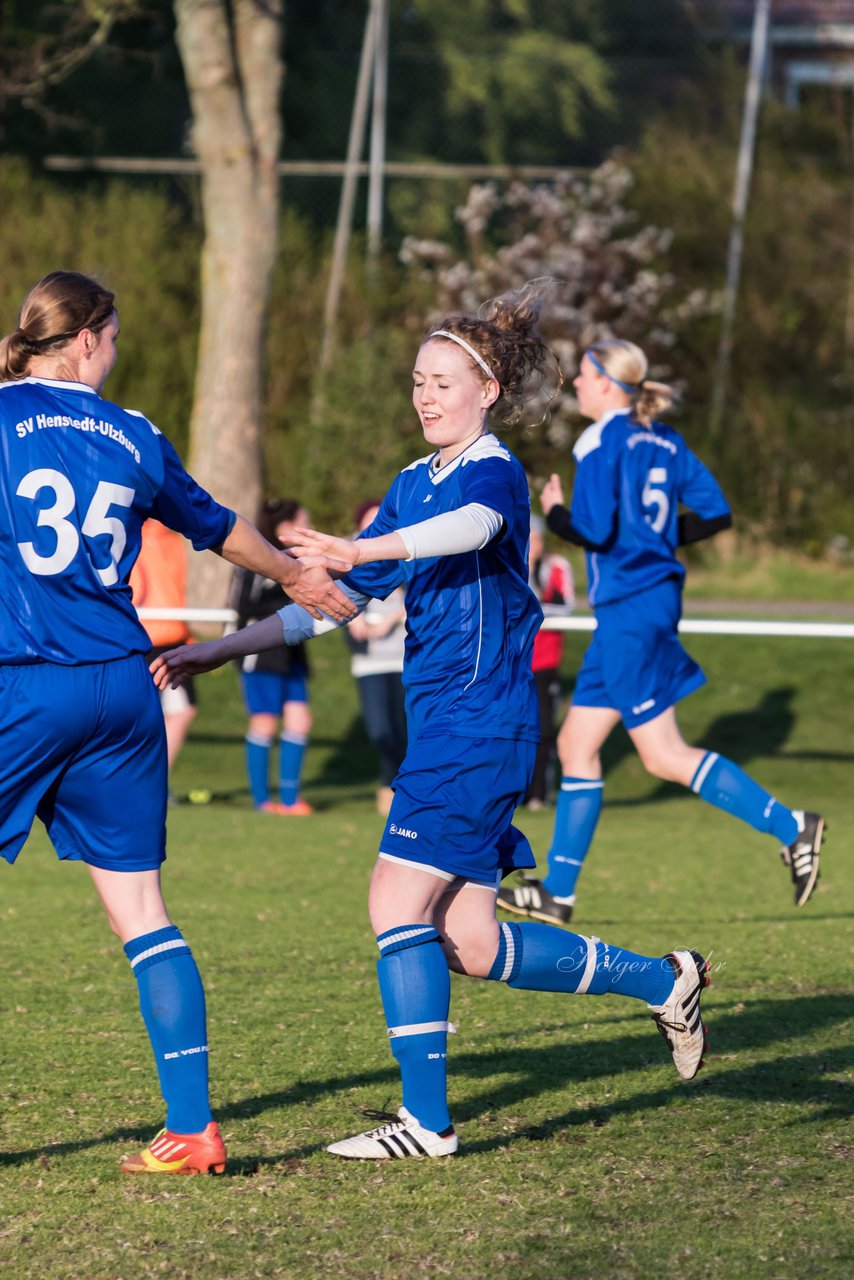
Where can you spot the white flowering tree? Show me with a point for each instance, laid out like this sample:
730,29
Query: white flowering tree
602,275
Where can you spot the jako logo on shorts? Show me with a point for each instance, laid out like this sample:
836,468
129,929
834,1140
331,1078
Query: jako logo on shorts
394,830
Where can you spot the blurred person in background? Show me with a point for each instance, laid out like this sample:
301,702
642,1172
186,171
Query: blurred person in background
633,473
158,580
274,683
551,581
376,641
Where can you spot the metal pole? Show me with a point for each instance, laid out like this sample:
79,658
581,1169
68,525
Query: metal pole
741,194
378,131
348,194
849,310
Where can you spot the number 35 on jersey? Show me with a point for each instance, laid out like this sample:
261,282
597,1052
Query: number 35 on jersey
102,520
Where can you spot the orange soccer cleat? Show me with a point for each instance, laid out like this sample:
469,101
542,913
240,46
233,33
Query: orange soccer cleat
180,1153
299,809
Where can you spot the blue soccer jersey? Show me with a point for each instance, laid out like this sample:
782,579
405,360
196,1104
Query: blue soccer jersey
471,618
78,476
629,483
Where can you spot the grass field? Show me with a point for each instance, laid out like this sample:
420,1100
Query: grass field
582,1154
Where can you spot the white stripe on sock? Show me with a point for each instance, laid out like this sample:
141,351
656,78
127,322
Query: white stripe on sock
703,771
404,934
580,786
154,951
417,1029
510,953
590,966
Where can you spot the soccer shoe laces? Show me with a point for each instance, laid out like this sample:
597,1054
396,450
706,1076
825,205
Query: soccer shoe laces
661,1022
389,1118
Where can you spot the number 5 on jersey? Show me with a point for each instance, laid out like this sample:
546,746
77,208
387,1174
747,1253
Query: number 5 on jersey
656,497
97,521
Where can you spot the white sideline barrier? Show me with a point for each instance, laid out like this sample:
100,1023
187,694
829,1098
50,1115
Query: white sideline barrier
690,626
186,615
728,627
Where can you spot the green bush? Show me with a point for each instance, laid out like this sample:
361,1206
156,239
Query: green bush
786,451
139,242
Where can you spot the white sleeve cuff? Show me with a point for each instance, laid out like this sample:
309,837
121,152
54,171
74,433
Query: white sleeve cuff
468,528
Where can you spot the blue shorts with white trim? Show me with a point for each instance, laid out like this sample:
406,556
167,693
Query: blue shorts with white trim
84,749
635,663
454,800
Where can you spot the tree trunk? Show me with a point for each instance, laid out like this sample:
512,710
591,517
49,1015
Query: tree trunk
232,56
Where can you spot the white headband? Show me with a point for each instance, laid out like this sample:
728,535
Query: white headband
443,333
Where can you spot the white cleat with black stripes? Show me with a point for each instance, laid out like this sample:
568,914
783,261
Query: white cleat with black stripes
678,1019
400,1136
802,857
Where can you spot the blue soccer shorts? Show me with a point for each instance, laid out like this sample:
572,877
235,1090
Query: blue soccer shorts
266,692
635,663
84,749
453,806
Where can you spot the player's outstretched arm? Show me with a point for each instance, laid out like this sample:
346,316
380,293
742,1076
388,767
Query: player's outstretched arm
467,528
311,542
310,586
172,668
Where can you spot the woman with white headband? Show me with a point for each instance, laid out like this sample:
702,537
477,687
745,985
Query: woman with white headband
632,474
454,527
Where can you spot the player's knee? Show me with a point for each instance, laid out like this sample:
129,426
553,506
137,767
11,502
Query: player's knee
471,955
663,765
578,764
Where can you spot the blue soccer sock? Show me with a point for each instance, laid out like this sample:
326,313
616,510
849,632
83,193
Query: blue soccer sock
579,804
291,752
415,985
172,1001
542,957
258,767
720,782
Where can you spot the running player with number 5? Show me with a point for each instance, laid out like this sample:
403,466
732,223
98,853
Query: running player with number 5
632,474
84,745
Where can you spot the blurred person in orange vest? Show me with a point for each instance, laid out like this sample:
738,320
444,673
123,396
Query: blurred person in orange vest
159,581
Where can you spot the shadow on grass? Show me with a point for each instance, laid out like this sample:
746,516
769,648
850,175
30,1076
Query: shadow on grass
804,1079
760,732
347,760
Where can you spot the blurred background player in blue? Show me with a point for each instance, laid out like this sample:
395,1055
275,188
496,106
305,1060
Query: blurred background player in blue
275,683
83,738
158,580
632,475
376,640
455,526
550,579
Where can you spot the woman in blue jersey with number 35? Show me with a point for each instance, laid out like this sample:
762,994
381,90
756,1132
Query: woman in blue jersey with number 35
454,527
632,474
82,733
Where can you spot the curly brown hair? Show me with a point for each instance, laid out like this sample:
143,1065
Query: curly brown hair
504,333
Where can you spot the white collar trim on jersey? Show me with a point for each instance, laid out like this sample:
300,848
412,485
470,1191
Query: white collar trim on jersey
606,417
485,446
58,382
